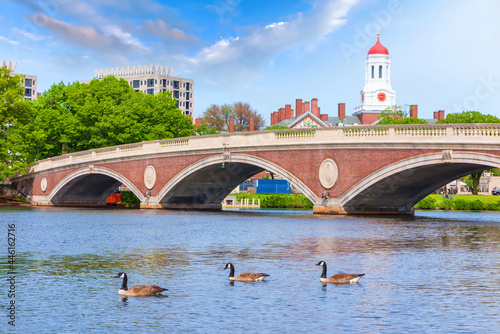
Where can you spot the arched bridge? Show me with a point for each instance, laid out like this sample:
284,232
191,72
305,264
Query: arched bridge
342,170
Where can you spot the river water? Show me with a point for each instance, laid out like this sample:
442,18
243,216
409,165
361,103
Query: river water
436,272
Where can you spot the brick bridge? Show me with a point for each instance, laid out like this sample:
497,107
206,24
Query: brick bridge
342,170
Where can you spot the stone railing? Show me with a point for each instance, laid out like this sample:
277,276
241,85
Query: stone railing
484,135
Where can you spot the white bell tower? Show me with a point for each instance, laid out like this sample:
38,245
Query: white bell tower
377,94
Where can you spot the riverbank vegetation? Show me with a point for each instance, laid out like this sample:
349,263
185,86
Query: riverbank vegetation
279,201
460,202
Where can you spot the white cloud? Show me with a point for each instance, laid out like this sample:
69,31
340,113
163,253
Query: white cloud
274,25
5,39
163,30
124,37
241,58
27,35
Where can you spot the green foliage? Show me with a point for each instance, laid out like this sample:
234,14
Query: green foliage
408,120
492,206
469,117
106,112
280,200
427,203
476,205
461,204
394,112
276,127
494,171
17,135
204,130
130,200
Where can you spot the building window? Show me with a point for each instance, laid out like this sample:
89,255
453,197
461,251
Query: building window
27,92
373,72
156,81
135,84
380,71
187,85
28,82
176,94
151,82
176,84
191,104
151,91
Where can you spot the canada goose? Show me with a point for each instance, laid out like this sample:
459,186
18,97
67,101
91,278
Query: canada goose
338,278
138,290
244,276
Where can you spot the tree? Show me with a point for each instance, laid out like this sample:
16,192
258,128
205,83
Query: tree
16,133
218,117
397,115
469,117
106,112
243,113
204,130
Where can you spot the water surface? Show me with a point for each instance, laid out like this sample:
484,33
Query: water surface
436,272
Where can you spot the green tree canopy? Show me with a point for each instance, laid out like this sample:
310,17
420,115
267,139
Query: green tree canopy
397,115
106,112
469,117
18,137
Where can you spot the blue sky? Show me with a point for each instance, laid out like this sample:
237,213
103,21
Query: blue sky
445,54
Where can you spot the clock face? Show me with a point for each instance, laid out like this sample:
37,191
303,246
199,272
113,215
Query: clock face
381,97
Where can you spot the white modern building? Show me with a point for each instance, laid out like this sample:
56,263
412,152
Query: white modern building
377,93
152,79
30,81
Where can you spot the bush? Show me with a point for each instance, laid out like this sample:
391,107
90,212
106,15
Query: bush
447,204
476,205
427,203
493,206
461,204
130,200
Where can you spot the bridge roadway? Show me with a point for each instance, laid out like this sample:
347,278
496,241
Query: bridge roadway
342,170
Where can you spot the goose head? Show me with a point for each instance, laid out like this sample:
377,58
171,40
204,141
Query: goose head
120,275
321,263
228,266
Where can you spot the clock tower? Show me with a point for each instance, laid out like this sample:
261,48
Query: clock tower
377,94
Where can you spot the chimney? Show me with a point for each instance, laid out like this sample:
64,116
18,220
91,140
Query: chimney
323,117
414,110
298,107
314,107
198,122
441,114
288,111
251,125
231,125
341,110
307,106
436,115
282,114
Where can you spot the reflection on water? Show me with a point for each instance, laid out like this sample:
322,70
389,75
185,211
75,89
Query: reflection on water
435,272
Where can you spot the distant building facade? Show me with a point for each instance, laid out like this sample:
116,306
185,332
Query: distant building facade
30,81
308,115
153,79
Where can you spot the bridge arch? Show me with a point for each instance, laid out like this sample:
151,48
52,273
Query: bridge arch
207,182
401,185
90,185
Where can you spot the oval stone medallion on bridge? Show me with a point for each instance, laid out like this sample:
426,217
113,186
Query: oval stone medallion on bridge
150,177
328,173
43,184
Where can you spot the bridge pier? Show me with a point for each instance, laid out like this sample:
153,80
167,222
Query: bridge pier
332,206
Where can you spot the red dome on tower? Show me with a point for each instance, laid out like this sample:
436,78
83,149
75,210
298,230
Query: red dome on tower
378,48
